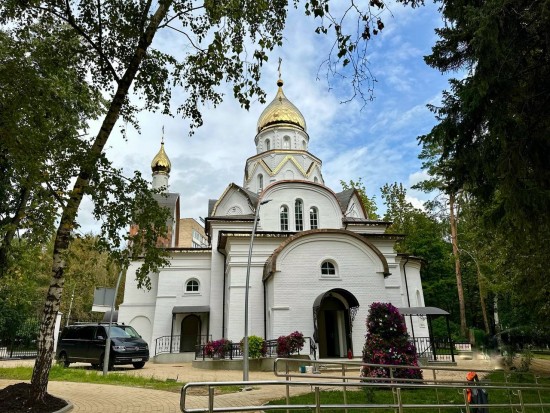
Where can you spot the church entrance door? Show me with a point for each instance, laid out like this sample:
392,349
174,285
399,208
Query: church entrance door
190,330
332,321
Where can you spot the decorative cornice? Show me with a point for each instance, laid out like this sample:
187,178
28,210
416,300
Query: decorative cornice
223,236
275,171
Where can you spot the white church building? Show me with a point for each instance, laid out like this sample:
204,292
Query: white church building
317,262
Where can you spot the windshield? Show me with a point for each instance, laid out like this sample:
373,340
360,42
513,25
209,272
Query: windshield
119,332
130,331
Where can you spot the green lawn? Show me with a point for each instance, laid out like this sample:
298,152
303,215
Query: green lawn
58,373
541,356
420,396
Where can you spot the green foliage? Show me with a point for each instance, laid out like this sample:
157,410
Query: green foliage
23,287
80,375
426,236
368,202
45,104
492,141
86,269
257,347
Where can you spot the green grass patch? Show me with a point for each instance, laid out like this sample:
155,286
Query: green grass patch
541,356
58,373
381,397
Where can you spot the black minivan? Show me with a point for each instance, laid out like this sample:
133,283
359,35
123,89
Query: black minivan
85,343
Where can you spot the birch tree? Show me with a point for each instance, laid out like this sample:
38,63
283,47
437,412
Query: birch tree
224,41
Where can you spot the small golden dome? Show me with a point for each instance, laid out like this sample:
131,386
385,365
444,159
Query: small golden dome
281,112
161,163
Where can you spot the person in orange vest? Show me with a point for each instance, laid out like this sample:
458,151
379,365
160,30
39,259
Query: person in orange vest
476,395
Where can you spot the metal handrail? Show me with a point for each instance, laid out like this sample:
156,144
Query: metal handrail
397,387
171,344
315,382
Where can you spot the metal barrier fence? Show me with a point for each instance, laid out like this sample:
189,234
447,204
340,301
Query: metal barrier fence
235,351
435,349
172,344
19,341
17,349
513,396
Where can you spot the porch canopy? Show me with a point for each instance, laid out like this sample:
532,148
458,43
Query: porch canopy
430,313
433,311
180,309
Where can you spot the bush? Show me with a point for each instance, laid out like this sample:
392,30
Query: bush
287,345
257,347
388,343
218,348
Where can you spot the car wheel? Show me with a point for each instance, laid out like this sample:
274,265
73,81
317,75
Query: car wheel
139,365
63,360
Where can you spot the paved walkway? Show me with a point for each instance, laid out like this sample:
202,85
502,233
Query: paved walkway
109,398
87,397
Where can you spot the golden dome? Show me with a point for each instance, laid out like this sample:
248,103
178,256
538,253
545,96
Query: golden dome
161,163
281,112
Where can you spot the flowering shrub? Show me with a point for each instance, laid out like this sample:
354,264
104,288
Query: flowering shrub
293,343
218,348
257,347
388,343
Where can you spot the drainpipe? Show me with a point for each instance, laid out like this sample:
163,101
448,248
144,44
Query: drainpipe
408,296
223,293
172,331
265,313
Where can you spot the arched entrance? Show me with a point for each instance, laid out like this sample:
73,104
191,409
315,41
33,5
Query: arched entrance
333,314
190,331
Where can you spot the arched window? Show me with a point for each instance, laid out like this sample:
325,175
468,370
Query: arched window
284,218
192,286
286,142
315,179
235,210
267,145
313,218
260,182
328,269
299,214
304,145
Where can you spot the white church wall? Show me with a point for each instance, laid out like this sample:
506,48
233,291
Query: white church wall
330,215
138,305
415,295
394,290
184,268
299,282
216,295
135,295
233,203
217,277
237,267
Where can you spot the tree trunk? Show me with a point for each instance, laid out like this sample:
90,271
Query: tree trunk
39,381
454,240
482,299
10,232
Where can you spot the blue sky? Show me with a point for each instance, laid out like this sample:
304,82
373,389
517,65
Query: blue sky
376,142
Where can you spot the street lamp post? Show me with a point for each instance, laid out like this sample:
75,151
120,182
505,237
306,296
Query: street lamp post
245,344
107,352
